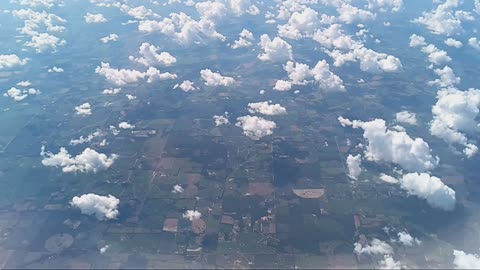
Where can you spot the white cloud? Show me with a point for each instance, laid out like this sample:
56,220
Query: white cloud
301,74
192,214
121,77
87,161
275,50
353,165
416,41
130,97
266,108
211,10
103,207
389,263
186,86
453,43
435,55
87,139
239,7
430,188
375,247
177,189
444,20
37,3
334,36
11,61
16,94
454,116
388,179
281,85
111,91
110,37
215,79
55,69
406,117
24,83
383,5
125,125
182,28
245,40
474,43
464,260
140,12
104,249
94,18
150,56
407,240
393,146
447,78
83,109
350,14
44,42
255,127
221,119
300,24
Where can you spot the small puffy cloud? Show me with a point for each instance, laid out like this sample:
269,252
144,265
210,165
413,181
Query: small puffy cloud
94,18
282,85
350,14
24,83
447,78
150,56
177,189
44,42
37,3
334,37
87,161
300,24
192,215
221,119
87,139
444,19
454,116
407,240
182,28
110,37
435,55
389,263
464,260
375,247
130,97
83,109
453,43
384,5
16,94
266,108
55,69
211,10
430,188
301,74
125,125
416,41
388,179
394,146
353,165
275,50
245,40
239,7
103,207
474,43
111,91
11,61
186,86
255,127
122,76
139,12
215,78
406,117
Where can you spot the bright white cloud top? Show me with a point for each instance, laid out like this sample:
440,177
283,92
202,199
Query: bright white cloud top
87,161
103,207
